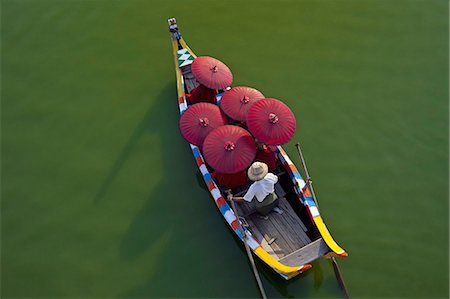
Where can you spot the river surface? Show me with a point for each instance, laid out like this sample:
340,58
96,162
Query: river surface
100,194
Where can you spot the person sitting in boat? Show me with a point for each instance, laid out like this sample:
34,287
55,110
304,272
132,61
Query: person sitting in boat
264,153
230,180
202,94
263,189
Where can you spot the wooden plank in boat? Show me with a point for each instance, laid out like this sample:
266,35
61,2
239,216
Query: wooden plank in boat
285,229
269,231
257,234
306,254
285,206
289,228
276,249
290,220
189,80
293,219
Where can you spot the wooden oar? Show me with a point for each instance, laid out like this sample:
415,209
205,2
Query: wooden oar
308,178
337,271
339,278
247,249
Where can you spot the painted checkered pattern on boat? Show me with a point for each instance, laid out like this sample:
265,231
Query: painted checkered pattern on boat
184,57
305,196
220,201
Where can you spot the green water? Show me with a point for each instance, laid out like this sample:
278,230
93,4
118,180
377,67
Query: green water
100,194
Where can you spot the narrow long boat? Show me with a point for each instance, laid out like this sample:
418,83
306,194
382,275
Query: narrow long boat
286,242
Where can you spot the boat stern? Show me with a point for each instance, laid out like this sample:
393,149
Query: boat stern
287,272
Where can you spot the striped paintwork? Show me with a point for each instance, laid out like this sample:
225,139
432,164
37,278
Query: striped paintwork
305,196
220,201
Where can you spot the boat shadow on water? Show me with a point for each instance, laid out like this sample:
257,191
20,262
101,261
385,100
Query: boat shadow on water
155,220
160,242
160,119
156,217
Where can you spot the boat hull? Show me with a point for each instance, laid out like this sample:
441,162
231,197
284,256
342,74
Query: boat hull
183,56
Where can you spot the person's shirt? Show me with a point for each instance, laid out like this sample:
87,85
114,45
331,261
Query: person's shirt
260,189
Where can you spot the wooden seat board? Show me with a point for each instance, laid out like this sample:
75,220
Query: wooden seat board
306,254
286,229
285,232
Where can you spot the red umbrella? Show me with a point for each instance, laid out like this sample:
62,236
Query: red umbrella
271,121
229,149
236,101
200,119
211,72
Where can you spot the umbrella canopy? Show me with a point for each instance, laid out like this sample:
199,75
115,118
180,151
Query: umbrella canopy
271,121
237,101
199,120
211,72
229,149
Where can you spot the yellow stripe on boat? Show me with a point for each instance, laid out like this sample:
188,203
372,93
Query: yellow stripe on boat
177,69
272,262
183,43
327,237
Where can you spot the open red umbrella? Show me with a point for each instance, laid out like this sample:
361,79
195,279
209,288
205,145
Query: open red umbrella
199,120
211,72
236,101
229,149
271,121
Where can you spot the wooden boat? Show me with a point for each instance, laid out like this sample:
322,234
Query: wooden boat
286,242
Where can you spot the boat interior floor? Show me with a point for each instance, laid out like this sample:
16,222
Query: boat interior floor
282,235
